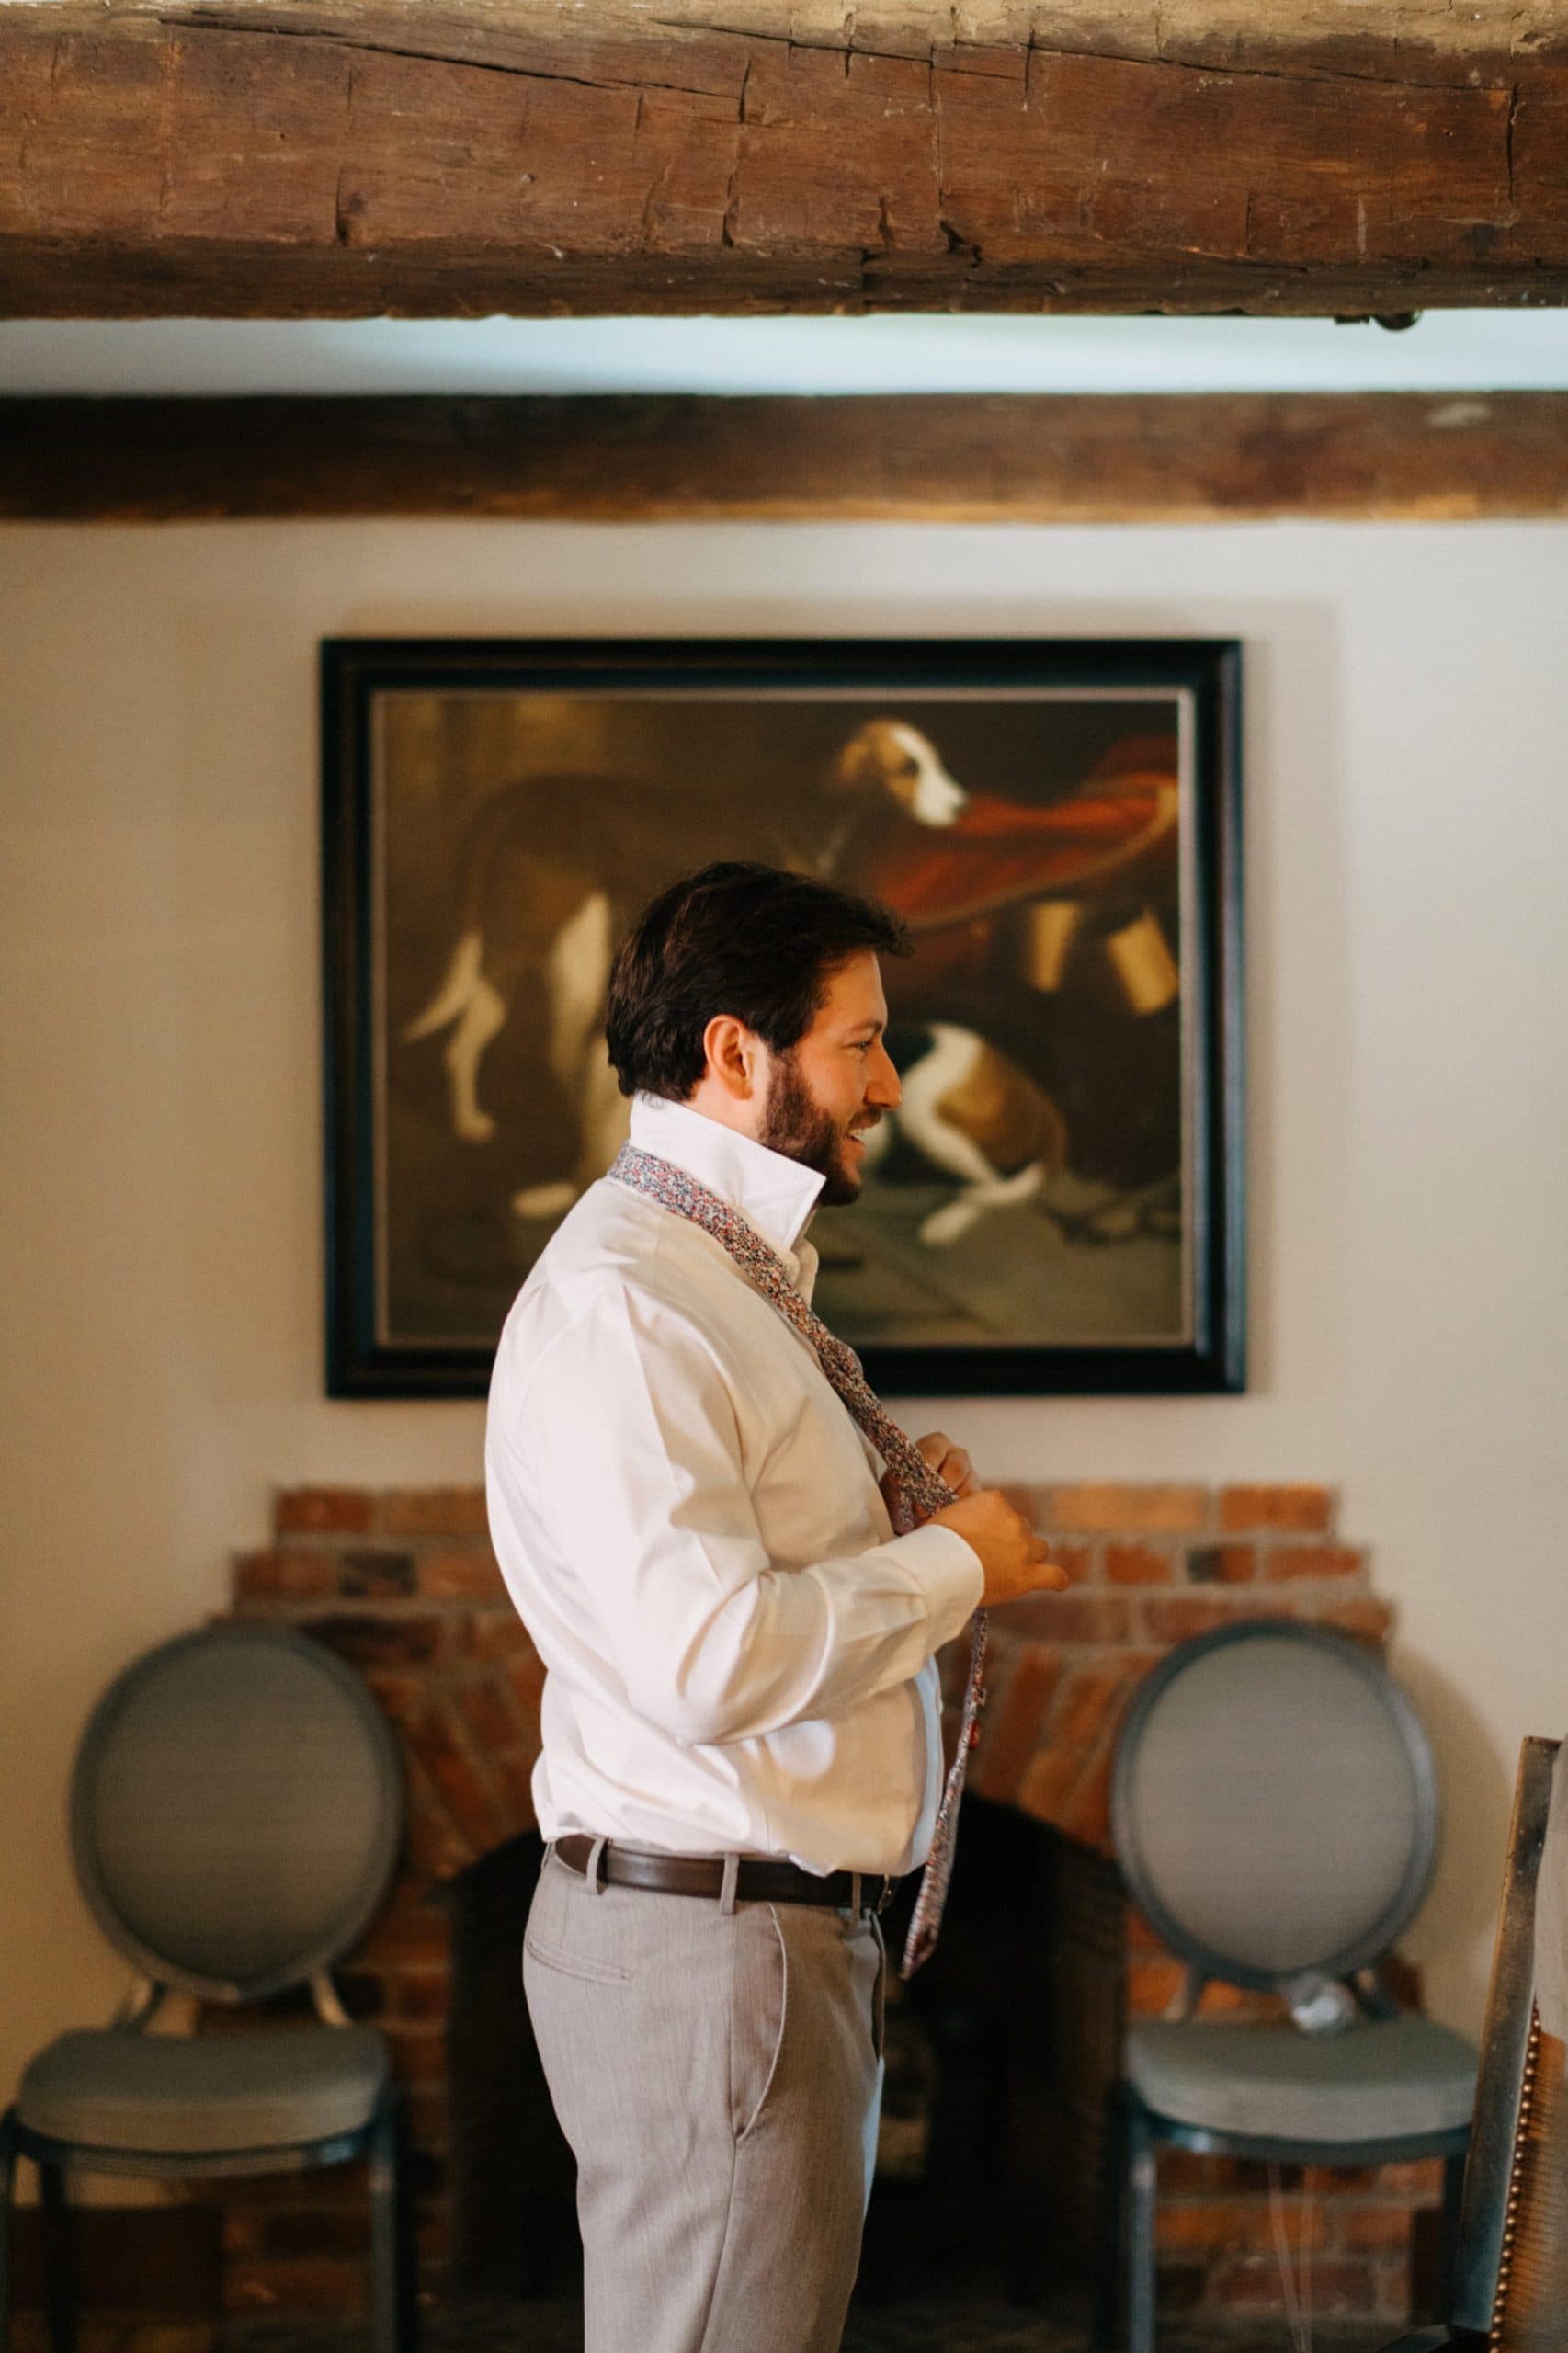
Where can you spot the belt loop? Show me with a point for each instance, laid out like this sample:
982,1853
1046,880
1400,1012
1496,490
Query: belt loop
854,1894
731,1880
594,1869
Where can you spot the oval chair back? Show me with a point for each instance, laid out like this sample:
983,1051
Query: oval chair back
1273,1803
235,1810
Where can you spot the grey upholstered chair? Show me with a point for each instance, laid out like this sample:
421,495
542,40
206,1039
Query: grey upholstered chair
1275,1816
236,1813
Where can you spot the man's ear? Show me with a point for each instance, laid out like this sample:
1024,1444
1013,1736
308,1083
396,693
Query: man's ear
734,1056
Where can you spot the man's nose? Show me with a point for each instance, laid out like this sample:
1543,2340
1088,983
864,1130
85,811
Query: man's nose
884,1087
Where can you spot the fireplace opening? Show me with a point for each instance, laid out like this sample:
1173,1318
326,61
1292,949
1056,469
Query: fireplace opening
1001,2055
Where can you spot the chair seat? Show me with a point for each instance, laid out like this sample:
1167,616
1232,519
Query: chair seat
1384,2079
198,2095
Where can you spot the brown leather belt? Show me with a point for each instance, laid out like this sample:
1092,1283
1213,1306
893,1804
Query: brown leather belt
756,1881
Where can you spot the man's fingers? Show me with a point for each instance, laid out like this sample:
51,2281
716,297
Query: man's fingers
1054,1576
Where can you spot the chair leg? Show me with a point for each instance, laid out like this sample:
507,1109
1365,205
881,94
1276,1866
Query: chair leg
394,2301
7,2186
59,2258
1140,2187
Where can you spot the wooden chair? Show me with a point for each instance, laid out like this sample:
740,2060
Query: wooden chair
1510,2292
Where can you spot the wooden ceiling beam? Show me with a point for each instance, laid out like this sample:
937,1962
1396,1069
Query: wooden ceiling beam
961,458
369,157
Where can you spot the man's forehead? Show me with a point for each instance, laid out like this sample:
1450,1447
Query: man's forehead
854,992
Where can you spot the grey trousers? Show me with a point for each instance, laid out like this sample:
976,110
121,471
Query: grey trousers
718,2075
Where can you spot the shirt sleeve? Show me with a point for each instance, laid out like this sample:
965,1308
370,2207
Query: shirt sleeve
631,1437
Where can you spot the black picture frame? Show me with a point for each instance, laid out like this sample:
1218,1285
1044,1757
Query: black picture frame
1200,679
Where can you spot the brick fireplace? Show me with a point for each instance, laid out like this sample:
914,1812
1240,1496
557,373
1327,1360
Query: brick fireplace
402,1585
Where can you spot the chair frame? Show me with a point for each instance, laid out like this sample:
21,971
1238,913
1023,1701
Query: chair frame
1483,2224
1138,2132
382,2140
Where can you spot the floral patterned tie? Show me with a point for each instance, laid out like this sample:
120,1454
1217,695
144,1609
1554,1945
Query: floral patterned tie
917,1491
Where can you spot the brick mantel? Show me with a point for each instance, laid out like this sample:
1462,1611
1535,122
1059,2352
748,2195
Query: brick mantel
403,1585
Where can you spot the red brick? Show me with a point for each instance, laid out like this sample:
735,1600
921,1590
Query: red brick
1305,1511
495,1634
1422,2179
1032,1500
1140,1564
1084,1814
317,2284
1152,1987
322,1511
1074,1617
1175,1620
1141,1933
463,1788
1011,1732
1222,1564
285,1575
1344,2290
316,2230
1183,2170
483,1703
1313,1561
1368,1621
418,2052
1122,1509
423,1994
469,1576
525,1676
1367,2229
437,1847
433,1511
396,1639
515,1773
404,1698
408,1930
1235,2226
429,2117
1081,1726
381,1576
1219,1999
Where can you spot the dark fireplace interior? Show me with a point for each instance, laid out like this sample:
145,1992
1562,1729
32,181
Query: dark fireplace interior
1000,2057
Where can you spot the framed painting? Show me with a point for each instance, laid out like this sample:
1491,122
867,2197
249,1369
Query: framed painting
1056,1205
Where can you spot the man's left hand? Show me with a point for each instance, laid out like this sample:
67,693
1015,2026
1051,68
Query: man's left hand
948,1462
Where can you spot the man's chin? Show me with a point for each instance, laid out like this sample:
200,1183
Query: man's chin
841,1187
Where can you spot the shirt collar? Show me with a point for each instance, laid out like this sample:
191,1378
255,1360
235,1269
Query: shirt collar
775,1194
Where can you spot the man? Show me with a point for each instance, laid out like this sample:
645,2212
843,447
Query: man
741,1729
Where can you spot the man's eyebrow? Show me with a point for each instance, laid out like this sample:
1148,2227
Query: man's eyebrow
875,1028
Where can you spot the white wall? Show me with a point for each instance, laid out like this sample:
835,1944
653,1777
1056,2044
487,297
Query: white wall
1407,713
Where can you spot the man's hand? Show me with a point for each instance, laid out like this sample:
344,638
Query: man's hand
1015,1561
948,1462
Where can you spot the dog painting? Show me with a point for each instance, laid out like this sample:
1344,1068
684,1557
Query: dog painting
1052,1204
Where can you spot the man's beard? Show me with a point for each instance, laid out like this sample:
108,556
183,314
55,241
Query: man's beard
796,1125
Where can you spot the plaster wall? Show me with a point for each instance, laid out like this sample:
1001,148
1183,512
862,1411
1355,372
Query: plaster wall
160,1184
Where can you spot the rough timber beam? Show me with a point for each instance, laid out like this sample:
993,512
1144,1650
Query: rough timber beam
277,158
960,458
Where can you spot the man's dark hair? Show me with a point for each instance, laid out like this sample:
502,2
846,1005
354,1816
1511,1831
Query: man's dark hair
750,940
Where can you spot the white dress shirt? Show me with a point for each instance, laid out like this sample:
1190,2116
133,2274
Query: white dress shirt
740,1653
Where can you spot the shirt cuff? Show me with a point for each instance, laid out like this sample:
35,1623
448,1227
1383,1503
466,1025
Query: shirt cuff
947,1567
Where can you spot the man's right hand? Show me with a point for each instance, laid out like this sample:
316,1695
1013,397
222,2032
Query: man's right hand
1015,1561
